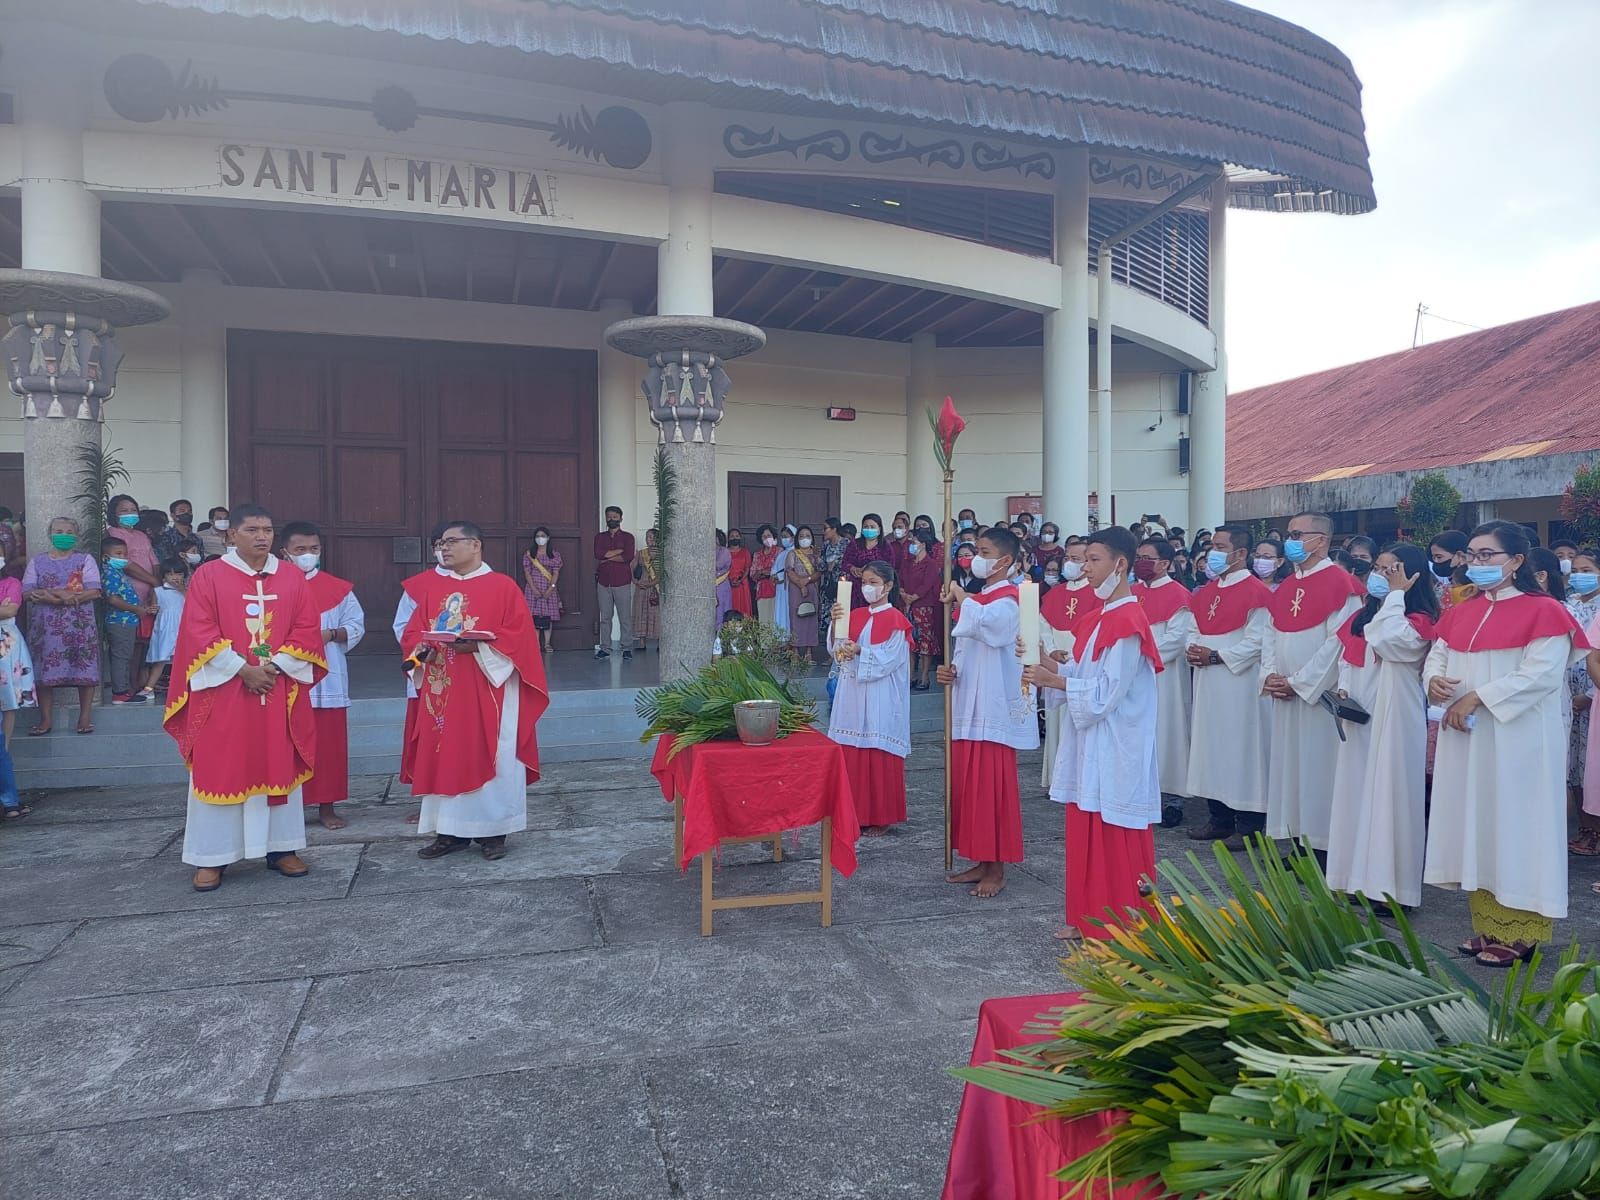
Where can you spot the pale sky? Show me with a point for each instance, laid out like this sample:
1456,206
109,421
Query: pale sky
1483,119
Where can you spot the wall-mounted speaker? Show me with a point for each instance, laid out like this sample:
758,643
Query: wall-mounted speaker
1183,456
1185,380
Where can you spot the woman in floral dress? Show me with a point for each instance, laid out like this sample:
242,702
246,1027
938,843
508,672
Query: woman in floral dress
541,568
61,587
646,594
802,579
16,664
833,544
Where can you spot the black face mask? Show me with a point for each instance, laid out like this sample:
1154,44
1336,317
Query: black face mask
1360,568
184,519
735,541
612,523
1444,570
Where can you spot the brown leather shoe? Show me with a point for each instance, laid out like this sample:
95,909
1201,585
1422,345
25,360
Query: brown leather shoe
1234,842
208,879
288,864
494,847
443,844
1209,834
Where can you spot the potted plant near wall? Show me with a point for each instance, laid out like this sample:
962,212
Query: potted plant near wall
1428,508
1580,504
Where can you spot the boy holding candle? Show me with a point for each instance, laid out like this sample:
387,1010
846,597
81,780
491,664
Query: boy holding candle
1105,769
992,717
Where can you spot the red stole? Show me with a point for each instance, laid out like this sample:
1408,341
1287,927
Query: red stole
1304,602
1066,608
884,624
1483,623
1355,644
327,591
1162,603
1222,610
249,747
1108,626
453,730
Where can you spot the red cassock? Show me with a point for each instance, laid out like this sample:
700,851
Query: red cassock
452,729
235,745
877,777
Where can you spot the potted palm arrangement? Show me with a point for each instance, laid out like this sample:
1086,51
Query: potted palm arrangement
707,705
1270,1039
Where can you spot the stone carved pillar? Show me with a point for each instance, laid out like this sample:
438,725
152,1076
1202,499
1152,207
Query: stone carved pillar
61,359
685,388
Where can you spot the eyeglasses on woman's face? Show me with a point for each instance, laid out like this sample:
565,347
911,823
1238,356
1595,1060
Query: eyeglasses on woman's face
1486,555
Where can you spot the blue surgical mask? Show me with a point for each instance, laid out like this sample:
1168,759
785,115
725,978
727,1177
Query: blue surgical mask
1295,550
128,520
913,548
870,535
1583,582
1216,563
1377,585
787,543
966,522
1484,576
118,563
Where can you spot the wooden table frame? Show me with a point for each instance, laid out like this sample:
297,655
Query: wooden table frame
710,904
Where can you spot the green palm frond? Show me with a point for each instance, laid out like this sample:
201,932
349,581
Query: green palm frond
665,476
101,472
700,709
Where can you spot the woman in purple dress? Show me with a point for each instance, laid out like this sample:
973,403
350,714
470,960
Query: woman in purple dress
861,552
723,568
61,587
541,568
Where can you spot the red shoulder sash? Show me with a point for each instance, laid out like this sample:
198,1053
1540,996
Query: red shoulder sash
1221,610
1483,623
1162,603
1008,592
884,625
1106,627
1304,602
328,591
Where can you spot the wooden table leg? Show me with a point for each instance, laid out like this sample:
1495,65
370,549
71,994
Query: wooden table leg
705,893
827,872
777,848
677,831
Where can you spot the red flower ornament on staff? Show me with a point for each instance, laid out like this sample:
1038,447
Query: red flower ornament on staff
947,427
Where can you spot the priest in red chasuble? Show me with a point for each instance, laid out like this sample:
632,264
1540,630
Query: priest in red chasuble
470,750
249,652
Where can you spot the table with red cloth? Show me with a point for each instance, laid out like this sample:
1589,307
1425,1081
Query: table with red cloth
1000,1149
725,792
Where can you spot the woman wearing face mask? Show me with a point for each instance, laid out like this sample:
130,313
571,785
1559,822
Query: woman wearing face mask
1448,562
923,527
1376,830
871,713
17,688
1269,564
1583,602
124,516
832,560
647,593
61,587
803,574
740,561
722,566
761,565
920,580
1363,552
861,551
1051,553
541,570
961,572
1498,827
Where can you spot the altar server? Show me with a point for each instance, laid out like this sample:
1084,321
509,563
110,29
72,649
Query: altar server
992,718
1376,833
871,713
1499,823
1166,605
1300,661
1064,609
1105,769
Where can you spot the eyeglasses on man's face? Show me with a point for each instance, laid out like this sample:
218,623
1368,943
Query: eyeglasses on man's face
442,543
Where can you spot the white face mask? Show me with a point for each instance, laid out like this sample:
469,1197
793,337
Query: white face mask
1047,538
1052,579
438,557
220,524
1071,571
1265,567
191,558
873,592
768,542
805,543
541,541
1566,566
1107,587
306,562
982,567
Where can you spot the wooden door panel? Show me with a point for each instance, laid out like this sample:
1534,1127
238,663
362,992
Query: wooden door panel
295,386
547,490
472,402
472,486
366,561
289,482
547,408
811,505
369,394
370,486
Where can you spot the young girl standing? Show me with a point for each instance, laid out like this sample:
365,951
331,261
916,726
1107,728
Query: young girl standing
871,713
169,599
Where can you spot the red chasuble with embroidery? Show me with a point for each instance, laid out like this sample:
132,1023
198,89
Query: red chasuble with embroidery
1483,623
1161,603
1303,602
236,745
1066,609
1107,627
1222,610
453,729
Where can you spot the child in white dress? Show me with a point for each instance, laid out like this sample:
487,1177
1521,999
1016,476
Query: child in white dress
164,636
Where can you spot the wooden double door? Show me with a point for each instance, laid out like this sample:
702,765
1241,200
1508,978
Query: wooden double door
378,440
756,499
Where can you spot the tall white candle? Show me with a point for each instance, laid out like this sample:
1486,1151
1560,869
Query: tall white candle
1028,602
841,627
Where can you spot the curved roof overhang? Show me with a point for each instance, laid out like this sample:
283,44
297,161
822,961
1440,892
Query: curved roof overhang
1194,81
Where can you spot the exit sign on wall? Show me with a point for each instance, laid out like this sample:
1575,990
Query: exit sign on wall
841,414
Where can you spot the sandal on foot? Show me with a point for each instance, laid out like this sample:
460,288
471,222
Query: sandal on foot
1586,844
1501,957
16,814
40,730
1473,946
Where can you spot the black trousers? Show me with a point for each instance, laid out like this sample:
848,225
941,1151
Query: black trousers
1243,823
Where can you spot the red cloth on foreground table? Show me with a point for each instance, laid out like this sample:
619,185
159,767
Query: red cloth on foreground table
732,790
1000,1151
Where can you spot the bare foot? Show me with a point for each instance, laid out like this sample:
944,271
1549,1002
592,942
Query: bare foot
1069,933
992,883
328,819
970,875
874,830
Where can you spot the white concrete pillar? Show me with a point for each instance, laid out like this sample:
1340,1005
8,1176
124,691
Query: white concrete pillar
1066,355
924,480
620,399
1208,415
203,390
1102,395
683,285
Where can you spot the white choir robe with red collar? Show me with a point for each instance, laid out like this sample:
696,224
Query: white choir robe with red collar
1228,728
1174,688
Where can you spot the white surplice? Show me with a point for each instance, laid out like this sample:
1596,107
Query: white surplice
987,704
1376,831
1499,819
333,691
1228,727
872,701
500,806
1055,639
1302,740
1174,688
1106,761
215,835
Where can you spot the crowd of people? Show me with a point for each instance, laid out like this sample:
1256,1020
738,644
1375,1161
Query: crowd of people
1416,714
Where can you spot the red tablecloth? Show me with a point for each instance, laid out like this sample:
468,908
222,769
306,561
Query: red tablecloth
1000,1151
732,790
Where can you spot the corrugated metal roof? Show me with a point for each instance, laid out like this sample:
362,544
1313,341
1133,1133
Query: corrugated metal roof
1515,391
1195,80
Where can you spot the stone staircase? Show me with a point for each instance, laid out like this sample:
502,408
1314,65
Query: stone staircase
130,747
